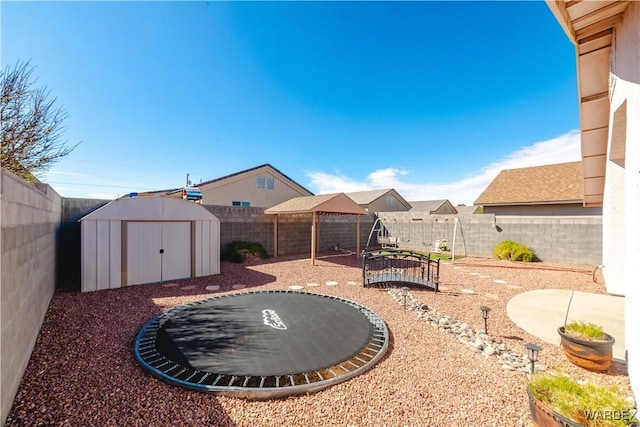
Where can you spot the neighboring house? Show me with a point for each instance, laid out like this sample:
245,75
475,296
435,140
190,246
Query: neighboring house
384,200
606,36
434,207
262,186
468,210
540,190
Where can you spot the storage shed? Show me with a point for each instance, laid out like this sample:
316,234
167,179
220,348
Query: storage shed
148,240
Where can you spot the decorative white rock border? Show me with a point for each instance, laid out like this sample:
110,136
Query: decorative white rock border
477,341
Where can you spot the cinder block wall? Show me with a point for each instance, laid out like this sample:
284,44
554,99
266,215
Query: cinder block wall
294,231
563,239
31,218
248,224
69,248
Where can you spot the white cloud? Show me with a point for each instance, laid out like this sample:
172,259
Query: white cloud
106,196
55,173
563,148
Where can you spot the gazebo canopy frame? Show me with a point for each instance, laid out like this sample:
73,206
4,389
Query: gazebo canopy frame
327,204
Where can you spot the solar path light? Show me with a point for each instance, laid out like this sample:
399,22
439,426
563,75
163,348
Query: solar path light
485,315
405,292
532,354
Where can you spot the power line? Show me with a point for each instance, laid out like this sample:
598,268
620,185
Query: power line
102,185
120,165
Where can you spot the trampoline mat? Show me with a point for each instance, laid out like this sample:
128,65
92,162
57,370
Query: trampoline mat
263,333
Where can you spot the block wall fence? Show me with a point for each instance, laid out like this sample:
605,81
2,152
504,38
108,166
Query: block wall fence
31,219
560,239
41,249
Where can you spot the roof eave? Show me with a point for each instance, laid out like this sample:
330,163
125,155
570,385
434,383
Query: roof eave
532,203
591,31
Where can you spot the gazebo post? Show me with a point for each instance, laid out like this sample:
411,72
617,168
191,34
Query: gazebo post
318,234
358,236
275,236
314,217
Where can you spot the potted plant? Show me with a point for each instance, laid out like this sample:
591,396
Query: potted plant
587,345
557,400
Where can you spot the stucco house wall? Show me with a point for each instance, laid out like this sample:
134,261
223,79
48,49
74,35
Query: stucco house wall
621,204
251,188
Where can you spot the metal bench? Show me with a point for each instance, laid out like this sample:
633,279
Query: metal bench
387,267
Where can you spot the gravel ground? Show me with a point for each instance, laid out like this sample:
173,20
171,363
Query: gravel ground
82,371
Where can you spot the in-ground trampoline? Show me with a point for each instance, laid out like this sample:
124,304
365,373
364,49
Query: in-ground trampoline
263,344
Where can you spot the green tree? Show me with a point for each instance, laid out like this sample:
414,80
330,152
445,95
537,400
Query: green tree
32,126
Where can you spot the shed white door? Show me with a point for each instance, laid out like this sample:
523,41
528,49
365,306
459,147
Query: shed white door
158,251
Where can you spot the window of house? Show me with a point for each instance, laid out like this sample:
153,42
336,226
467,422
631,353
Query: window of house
266,182
234,203
390,200
239,203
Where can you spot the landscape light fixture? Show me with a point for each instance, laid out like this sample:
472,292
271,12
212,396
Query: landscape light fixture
405,292
485,315
532,354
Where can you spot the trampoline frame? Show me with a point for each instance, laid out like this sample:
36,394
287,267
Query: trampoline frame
258,387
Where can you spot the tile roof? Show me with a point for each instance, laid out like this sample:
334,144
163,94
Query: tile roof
557,183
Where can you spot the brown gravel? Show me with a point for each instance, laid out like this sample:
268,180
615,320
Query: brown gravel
82,371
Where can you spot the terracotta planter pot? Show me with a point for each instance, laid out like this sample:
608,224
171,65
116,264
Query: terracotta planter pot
543,416
592,355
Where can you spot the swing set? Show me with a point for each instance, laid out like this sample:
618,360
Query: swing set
396,234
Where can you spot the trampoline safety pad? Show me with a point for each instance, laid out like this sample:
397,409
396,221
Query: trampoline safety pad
262,344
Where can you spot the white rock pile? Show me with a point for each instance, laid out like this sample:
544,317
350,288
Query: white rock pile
477,341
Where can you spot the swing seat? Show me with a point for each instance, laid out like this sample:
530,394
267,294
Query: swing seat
440,245
388,242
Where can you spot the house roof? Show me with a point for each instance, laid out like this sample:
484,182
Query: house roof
557,183
265,167
589,25
428,205
365,198
177,192
325,203
466,210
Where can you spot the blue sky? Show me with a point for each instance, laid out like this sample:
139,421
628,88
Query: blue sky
430,98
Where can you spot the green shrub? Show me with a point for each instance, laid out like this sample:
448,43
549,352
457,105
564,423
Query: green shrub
577,401
504,249
513,251
585,331
237,251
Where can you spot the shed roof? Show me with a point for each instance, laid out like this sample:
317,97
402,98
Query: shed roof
558,183
338,203
151,209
